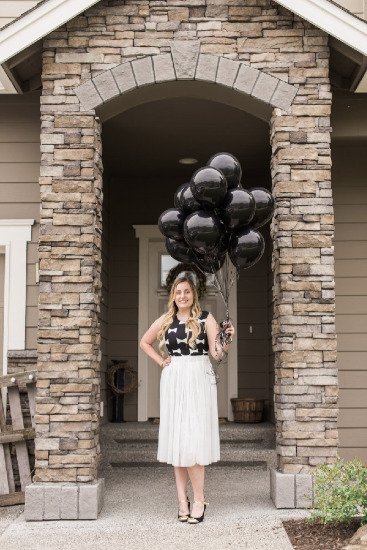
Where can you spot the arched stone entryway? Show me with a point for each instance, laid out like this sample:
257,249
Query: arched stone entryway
70,257
185,63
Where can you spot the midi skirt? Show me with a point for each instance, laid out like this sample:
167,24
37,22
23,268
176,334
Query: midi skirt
189,426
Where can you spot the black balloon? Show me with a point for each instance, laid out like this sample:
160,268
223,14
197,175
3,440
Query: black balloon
188,202
209,186
209,264
171,222
264,206
202,231
229,165
177,196
246,247
180,251
222,247
238,208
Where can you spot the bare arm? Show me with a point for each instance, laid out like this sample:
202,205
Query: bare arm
147,340
212,329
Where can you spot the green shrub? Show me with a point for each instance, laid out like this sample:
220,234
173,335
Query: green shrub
340,492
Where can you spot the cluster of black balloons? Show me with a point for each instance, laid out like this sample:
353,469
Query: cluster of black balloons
214,215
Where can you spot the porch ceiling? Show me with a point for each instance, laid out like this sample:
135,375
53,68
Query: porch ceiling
149,140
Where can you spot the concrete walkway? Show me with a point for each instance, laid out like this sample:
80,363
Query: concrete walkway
140,506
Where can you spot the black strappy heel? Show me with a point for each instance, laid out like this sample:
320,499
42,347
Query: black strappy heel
183,517
193,520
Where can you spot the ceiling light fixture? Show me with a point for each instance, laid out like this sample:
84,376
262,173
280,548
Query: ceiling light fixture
188,160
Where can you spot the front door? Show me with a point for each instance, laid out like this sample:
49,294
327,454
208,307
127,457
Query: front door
153,269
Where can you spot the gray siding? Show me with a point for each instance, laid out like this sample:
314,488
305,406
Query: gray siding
131,202
104,308
19,186
350,199
270,311
358,7
11,9
253,332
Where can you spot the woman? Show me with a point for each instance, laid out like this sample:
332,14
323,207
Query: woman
188,430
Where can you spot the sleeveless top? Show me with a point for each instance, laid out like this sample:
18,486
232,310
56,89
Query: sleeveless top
176,338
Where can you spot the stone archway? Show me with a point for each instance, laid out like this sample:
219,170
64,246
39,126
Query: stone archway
185,63
304,342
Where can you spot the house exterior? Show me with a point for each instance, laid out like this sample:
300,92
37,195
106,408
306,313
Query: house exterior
99,102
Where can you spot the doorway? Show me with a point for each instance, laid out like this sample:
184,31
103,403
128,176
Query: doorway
152,274
142,147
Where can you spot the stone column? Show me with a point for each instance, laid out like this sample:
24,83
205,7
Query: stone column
68,388
304,338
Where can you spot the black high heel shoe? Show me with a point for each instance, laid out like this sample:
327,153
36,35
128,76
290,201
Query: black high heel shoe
183,517
193,520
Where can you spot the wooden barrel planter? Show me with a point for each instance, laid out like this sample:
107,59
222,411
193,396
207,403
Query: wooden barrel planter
247,409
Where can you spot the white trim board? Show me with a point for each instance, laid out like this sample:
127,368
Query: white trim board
14,235
48,16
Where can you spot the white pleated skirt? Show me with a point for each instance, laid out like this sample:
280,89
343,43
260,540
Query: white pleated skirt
189,427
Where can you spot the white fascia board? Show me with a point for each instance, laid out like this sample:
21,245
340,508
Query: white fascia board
332,19
36,24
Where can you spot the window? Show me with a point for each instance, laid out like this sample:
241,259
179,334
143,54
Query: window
167,263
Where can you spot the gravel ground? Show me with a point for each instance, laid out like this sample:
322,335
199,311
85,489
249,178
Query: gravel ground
140,507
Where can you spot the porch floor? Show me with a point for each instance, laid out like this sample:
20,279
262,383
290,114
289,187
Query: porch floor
141,504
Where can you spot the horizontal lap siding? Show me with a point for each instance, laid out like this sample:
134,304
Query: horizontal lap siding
270,312
358,7
11,9
350,200
19,186
131,202
253,347
106,394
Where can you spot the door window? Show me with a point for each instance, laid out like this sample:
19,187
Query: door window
167,263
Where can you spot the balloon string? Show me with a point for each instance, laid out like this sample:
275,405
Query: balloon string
223,278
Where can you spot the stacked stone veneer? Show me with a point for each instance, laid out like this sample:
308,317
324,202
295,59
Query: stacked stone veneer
114,48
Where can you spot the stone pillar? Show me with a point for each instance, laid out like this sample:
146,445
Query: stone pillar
304,338
68,388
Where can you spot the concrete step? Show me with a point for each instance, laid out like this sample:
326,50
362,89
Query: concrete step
244,465
244,446
233,444
132,454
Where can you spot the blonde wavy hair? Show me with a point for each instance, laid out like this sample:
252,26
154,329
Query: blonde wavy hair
192,323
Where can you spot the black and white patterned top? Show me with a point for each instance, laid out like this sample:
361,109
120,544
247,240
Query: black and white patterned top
176,338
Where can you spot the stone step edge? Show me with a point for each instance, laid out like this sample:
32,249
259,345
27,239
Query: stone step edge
256,464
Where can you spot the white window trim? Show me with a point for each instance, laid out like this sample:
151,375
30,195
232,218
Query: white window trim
146,234
14,235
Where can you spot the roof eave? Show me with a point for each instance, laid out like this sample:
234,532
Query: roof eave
31,27
332,19
50,15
